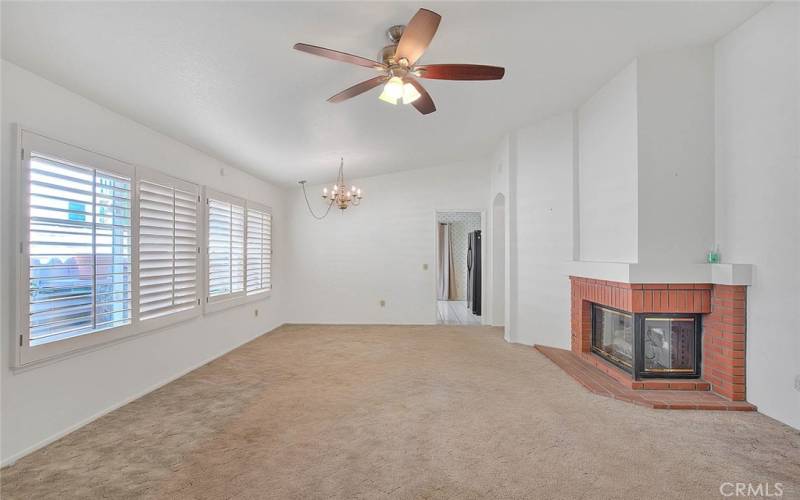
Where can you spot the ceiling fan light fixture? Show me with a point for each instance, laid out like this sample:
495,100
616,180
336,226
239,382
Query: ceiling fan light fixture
385,97
410,93
393,89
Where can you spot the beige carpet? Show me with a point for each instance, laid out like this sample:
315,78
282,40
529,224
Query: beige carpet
400,412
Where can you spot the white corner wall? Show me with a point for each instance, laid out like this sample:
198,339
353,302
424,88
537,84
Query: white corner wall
341,267
45,402
499,276
758,195
545,157
675,201
608,154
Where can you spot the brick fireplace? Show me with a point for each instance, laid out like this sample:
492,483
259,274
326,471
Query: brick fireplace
720,308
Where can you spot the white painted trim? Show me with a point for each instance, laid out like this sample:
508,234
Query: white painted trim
41,444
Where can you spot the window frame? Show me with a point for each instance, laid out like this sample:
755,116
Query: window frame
153,176
220,303
29,141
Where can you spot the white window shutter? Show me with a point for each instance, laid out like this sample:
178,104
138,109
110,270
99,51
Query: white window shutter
168,249
226,234
259,250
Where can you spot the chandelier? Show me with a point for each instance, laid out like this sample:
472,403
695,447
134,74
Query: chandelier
339,194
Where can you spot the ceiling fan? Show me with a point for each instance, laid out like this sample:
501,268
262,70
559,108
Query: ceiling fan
398,68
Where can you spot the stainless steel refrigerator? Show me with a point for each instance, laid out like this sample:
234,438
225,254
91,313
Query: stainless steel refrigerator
474,272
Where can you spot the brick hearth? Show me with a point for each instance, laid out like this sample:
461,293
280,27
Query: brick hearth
723,320
600,383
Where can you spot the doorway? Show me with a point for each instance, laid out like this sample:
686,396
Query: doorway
459,273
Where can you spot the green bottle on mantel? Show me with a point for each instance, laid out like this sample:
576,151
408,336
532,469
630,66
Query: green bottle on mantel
713,256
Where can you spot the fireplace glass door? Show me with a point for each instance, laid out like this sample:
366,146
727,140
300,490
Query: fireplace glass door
669,345
612,335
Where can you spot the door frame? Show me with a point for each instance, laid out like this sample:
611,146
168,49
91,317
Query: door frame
435,294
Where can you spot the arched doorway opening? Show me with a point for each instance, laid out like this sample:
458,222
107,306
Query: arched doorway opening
499,260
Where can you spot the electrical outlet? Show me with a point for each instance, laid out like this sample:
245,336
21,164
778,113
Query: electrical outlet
256,313
797,383
383,303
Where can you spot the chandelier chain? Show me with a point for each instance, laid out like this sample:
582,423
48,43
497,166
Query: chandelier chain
308,204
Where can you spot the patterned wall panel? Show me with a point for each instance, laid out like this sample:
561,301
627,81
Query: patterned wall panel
462,223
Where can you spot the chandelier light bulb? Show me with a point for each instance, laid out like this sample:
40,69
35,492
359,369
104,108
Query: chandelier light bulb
410,93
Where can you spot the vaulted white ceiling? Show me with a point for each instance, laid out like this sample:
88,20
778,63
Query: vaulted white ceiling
223,77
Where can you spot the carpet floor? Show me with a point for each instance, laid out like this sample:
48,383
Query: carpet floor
311,412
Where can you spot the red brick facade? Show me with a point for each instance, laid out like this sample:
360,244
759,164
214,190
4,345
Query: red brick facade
722,306
724,341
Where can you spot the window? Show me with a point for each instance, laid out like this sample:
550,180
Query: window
77,240
225,247
239,250
108,250
259,249
168,249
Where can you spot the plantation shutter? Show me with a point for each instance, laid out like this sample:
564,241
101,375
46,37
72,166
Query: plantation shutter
259,250
79,268
225,247
168,248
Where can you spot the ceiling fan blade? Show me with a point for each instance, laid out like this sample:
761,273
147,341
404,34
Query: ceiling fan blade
460,72
358,88
424,103
417,35
338,56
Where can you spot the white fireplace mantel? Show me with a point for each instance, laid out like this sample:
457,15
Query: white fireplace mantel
718,274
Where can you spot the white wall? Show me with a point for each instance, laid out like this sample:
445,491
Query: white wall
675,202
544,198
758,193
608,171
44,402
342,267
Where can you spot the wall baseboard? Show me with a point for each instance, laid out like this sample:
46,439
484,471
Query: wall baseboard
55,437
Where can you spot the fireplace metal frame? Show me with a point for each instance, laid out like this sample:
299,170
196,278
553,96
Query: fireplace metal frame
638,337
637,370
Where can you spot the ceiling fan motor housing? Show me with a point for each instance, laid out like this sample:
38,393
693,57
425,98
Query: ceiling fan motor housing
393,33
